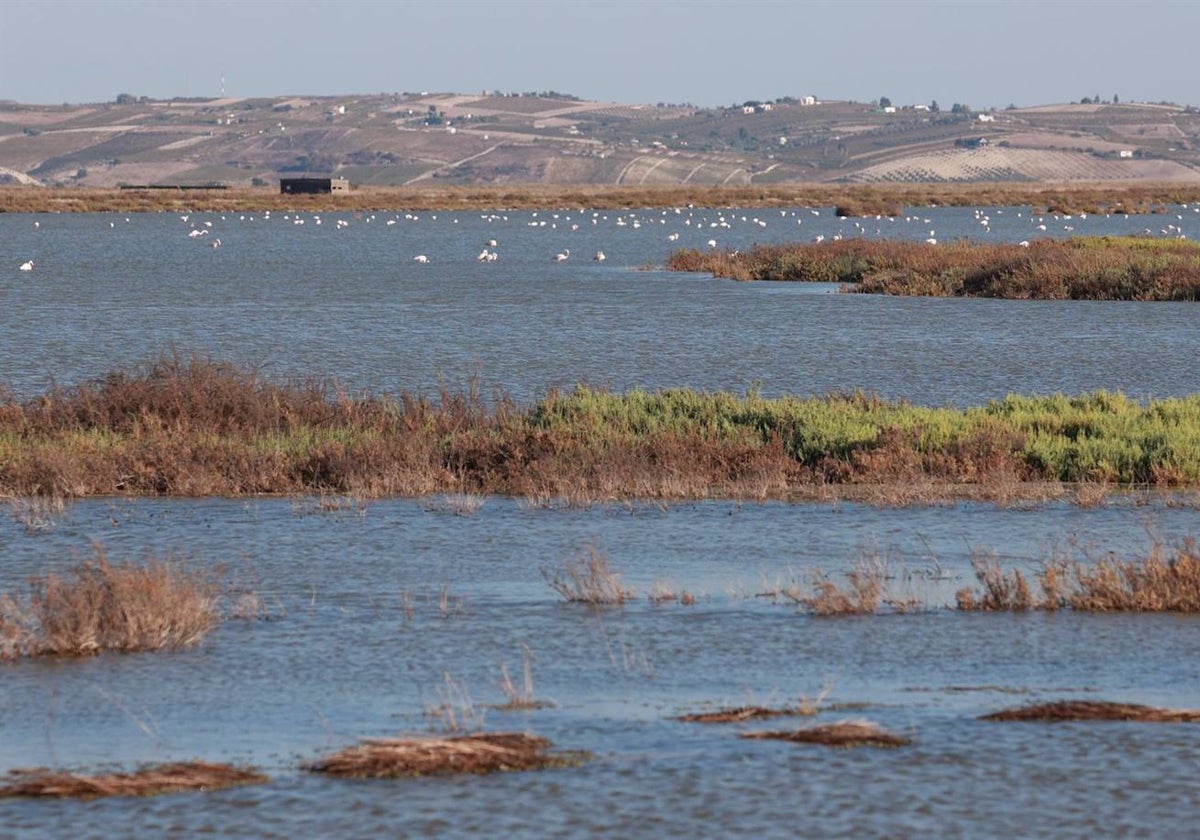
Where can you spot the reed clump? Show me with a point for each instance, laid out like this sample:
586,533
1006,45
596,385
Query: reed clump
492,752
588,579
148,781
201,428
861,596
520,697
1166,580
1082,268
1094,710
850,733
100,606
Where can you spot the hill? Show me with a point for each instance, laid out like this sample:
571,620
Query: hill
549,138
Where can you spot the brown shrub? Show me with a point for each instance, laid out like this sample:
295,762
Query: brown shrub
861,597
1008,591
98,606
1161,582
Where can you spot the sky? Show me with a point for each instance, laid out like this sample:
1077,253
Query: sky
983,53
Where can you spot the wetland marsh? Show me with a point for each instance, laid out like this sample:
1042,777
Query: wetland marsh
381,613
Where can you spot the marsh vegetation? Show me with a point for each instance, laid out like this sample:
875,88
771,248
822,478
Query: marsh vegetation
1080,268
199,428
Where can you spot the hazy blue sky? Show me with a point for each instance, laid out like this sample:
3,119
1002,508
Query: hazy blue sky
979,52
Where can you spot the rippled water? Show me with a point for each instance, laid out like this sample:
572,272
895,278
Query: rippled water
358,644
349,301
341,658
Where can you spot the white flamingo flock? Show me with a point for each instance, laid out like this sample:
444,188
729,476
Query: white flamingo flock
685,226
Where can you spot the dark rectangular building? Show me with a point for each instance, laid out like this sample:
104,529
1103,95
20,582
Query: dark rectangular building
313,185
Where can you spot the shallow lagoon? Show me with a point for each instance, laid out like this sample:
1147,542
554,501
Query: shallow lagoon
357,643
347,300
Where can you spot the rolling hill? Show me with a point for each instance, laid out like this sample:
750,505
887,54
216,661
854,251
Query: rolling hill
390,139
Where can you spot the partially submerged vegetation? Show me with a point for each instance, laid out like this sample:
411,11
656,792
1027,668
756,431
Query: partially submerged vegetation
491,752
850,733
1166,580
806,707
1094,710
851,199
1080,268
199,428
587,579
99,606
147,781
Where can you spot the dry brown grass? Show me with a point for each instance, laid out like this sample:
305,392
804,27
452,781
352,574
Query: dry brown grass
520,697
148,781
865,592
390,758
861,597
454,710
38,513
662,592
843,734
854,199
588,579
1083,710
1002,591
1165,580
99,606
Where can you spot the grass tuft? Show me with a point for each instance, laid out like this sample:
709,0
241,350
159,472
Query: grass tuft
522,697
588,579
99,606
